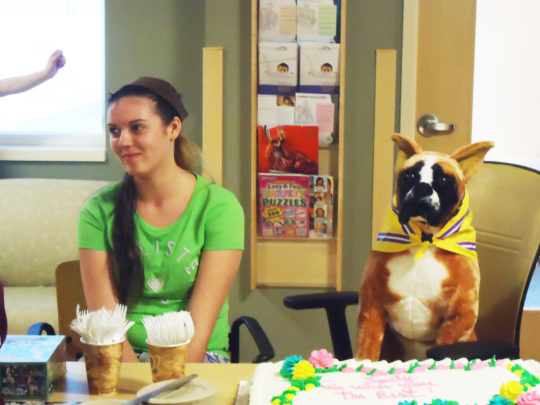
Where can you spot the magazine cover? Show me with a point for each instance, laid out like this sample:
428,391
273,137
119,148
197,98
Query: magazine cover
288,149
321,206
283,205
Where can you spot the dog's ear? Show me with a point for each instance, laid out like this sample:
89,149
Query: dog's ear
406,148
470,157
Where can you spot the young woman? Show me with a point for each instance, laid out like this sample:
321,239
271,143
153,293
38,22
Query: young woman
164,239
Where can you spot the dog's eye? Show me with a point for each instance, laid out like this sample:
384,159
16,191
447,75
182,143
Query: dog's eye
410,175
442,181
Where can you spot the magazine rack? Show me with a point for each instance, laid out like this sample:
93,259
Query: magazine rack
299,262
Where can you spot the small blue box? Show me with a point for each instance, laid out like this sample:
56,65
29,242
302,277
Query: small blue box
30,364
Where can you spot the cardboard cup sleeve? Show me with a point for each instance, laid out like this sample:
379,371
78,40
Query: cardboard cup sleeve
103,367
167,362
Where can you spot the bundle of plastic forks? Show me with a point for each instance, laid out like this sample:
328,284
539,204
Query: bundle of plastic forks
102,327
169,329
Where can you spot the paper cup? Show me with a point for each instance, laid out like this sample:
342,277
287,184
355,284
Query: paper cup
102,367
167,362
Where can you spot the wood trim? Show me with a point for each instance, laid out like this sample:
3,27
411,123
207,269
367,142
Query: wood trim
341,151
383,147
409,68
212,114
253,132
445,69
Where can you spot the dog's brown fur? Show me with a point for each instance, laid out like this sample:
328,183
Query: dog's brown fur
454,310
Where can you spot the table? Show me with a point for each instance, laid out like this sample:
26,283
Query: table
134,376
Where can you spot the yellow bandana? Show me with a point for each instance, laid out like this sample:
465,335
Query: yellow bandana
456,236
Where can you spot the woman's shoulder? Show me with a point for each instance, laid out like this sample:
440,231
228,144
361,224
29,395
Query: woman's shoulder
221,213
215,200
212,192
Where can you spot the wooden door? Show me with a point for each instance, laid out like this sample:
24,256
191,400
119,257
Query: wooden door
437,79
438,68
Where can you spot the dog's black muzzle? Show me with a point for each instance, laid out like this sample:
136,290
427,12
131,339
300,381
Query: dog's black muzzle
417,205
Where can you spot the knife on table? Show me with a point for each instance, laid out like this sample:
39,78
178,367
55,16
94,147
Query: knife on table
173,385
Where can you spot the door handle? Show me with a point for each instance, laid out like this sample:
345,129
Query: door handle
429,125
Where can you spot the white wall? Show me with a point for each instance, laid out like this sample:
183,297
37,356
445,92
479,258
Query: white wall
506,100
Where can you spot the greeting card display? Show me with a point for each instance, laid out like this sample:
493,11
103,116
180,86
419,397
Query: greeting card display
273,110
319,67
277,20
317,20
283,205
317,109
288,149
278,63
321,206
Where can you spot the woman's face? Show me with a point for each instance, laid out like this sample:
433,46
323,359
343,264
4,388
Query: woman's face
139,137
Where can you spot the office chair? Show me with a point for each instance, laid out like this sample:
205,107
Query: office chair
335,304
504,200
69,293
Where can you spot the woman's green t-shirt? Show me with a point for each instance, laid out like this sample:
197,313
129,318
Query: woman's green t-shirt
212,220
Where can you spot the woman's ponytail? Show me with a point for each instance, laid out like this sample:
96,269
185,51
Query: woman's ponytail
129,276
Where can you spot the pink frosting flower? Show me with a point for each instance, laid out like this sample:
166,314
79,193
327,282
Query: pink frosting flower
347,370
478,366
321,358
442,367
421,369
529,398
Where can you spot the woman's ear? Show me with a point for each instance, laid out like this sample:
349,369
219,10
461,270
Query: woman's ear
174,128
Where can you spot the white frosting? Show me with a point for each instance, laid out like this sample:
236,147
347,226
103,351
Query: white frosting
466,387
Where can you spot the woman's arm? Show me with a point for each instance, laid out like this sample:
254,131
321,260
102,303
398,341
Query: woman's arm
98,287
19,84
216,273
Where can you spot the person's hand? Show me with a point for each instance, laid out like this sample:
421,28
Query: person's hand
56,61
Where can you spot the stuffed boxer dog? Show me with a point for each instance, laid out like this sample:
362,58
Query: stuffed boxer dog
420,285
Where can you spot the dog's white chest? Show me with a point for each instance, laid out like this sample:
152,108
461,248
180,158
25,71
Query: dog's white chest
419,283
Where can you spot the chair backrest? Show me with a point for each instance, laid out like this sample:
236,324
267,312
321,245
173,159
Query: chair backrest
69,293
335,304
52,207
505,202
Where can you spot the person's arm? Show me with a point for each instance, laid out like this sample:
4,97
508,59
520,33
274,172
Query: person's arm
19,84
98,287
216,273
